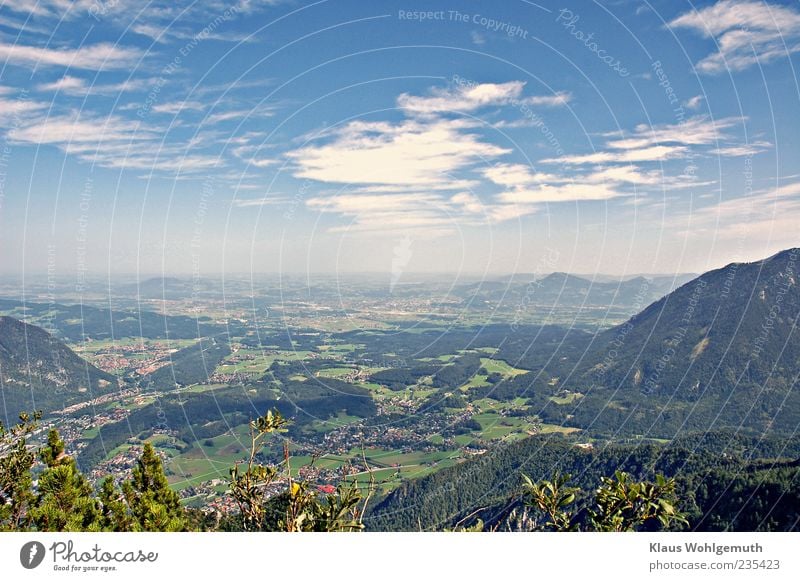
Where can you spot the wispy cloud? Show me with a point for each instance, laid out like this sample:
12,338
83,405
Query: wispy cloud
653,153
426,214
767,215
469,97
524,187
660,143
95,57
747,32
78,87
461,98
558,99
14,109
260,202
110,141
742,150
694,103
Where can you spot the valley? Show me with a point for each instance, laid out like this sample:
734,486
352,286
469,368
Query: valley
388,388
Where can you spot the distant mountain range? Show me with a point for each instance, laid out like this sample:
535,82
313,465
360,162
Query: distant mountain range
39,372
560,291
77,323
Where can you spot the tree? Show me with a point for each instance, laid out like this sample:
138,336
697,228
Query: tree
16,482
64,501
145,502
621,504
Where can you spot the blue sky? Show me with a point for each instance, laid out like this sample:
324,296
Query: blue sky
337,136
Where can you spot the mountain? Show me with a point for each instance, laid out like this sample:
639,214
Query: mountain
39,372
723,349
560,290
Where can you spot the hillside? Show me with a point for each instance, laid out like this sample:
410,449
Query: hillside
722,349
37,371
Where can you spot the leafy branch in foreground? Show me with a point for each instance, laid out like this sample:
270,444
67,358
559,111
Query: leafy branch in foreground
256,489
552,498
621,503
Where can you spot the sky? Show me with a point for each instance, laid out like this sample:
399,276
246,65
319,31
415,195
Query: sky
417,136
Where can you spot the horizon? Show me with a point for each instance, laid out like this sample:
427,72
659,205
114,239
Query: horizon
188,275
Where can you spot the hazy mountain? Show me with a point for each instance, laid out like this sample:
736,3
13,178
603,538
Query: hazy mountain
76,323
562,290
39,372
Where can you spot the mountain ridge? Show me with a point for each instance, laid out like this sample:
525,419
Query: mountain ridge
39,372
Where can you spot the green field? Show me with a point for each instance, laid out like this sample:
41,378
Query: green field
501,367
565,399
257,361
335,372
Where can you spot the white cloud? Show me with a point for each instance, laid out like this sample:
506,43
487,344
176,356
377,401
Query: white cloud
260,202
168,30
96,57
110,141
517,175
13,110
461,98
471,97
78,87
238,115
747,32
653,153
468,202
768,215
694,103
410,153
176,107
699,130
560,193
558,99
659,143
746,149
524,189
427,215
